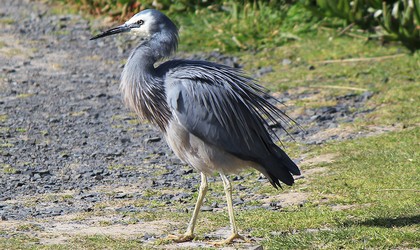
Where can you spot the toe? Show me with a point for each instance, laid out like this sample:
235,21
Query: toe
180,238
229,240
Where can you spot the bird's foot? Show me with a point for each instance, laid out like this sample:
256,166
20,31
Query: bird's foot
181,238
230,239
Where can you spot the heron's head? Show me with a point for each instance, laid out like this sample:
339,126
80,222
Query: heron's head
146,24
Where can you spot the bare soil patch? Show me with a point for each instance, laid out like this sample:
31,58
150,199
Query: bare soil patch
67,143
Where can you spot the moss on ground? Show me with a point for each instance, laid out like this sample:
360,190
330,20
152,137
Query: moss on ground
366,198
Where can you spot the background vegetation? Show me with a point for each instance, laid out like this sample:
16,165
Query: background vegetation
367,196
252,24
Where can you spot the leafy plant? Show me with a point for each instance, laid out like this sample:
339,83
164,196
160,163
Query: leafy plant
354,11
121,9
250,26
400,19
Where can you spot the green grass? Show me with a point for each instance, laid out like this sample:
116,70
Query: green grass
368,197
378,177
393,81
7,169
249,27
3,118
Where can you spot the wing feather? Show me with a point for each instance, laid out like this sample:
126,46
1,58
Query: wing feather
226,109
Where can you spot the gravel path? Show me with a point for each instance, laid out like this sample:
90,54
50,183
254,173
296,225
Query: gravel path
63,127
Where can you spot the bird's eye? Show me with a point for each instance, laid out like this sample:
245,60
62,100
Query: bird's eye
140,22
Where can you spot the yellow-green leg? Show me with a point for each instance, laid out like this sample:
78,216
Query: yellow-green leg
189,234
234,235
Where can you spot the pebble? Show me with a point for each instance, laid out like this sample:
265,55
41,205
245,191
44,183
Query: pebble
120,196
240,187
238,201
206,209
147,237
152,139
75,134
286,61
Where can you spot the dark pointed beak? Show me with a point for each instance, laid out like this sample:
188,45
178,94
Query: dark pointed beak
113,31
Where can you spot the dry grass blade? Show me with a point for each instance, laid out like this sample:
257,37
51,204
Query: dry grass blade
362,59
339,87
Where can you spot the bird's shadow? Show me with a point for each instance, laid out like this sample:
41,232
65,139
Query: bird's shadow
388,222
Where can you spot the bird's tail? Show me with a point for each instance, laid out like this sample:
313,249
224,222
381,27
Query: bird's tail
280,167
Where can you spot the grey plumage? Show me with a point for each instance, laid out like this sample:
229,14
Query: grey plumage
213,117
225,109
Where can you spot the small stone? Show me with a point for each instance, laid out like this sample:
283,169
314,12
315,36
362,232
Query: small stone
366,96
88,209
64,18
286,61
238,201
6,154
120,196
189,171
43,172
98,177
125,140
98,171
87,173
180,197
237,178
147,236
54,120
113,154
314,118
206,209
6,70
85,196
152,139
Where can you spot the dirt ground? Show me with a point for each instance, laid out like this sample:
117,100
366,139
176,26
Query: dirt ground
67,141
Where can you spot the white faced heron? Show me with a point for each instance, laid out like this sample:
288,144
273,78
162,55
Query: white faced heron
212,116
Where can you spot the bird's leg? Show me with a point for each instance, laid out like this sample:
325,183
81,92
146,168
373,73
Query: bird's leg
202,192
189,234
228,191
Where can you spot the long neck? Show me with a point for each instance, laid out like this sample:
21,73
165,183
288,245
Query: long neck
143,90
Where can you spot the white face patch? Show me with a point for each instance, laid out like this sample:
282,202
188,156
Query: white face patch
144,29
